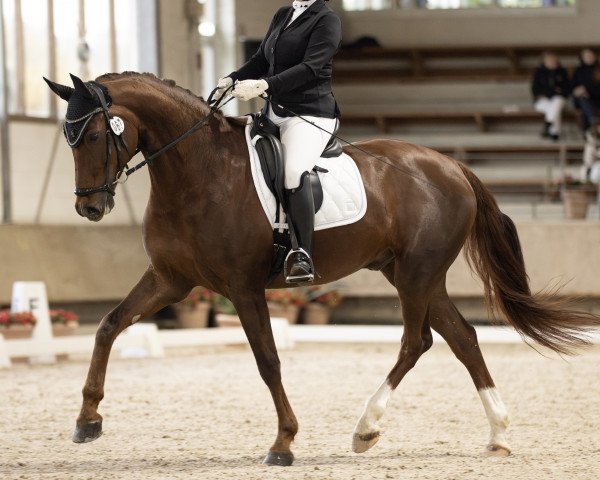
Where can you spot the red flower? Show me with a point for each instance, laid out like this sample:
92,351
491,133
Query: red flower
286,297
63,316
20,318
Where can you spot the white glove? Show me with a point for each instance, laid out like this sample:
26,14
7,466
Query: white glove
224,84
249,89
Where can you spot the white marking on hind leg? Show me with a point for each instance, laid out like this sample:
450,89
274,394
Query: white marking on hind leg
498,418
366,432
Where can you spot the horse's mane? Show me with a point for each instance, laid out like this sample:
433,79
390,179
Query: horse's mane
183,94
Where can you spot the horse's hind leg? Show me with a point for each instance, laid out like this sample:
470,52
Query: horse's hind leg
414,294
147,297
445,319
252,308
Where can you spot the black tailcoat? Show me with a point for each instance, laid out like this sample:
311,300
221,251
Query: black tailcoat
296,61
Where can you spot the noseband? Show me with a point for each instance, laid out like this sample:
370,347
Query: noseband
114,136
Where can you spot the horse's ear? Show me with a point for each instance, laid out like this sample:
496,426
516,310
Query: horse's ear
80,87
63,91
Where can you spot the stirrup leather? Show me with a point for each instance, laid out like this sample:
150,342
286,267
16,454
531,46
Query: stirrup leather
305,278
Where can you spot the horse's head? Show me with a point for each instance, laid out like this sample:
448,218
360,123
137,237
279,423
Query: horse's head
102,138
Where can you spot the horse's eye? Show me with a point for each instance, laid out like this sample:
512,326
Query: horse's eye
93,136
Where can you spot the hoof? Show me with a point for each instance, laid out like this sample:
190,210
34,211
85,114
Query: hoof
279,459
497,451
88,432
361,442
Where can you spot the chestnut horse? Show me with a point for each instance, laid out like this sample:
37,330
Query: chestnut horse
204,225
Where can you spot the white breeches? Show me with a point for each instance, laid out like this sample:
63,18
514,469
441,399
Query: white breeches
302,143
552,109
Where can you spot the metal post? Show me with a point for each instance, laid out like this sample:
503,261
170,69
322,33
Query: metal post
20,58
83,51
52,58
5,151
112,36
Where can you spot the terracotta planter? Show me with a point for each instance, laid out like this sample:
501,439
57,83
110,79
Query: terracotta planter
576,203
64,329
316,314
16,332
227,320
195,316
289,312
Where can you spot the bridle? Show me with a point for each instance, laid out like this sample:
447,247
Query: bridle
114,135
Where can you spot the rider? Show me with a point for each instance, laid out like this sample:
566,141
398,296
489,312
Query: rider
293,65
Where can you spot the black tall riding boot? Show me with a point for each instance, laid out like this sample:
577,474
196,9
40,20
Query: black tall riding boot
301,214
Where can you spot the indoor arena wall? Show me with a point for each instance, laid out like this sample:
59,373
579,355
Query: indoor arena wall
47,253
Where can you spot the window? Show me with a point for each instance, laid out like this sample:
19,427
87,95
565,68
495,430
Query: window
367,4
451,4
448,4
53,38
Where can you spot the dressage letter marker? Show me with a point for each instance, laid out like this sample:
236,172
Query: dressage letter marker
31,297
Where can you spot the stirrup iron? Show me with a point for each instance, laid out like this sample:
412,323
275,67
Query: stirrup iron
306,278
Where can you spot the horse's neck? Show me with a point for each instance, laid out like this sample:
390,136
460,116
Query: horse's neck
183,163
190,164
209,157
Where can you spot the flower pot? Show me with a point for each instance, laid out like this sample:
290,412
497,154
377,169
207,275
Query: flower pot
15,332
193,316
316,314
289,312
227,320
576,203
64,329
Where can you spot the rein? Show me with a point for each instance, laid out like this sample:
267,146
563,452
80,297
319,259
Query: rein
353,145
119,141
124,172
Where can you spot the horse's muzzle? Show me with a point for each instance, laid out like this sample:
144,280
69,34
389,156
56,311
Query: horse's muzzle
95,211
92,213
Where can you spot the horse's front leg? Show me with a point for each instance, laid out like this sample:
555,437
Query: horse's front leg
147,297
254,315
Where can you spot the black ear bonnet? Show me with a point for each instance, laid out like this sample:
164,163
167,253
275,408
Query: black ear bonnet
83,105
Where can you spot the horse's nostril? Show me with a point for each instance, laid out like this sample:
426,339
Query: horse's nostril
91,211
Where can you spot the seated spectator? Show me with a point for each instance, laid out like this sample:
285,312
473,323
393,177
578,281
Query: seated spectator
550,88
586,89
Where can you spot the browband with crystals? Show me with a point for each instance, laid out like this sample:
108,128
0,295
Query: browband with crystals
73,142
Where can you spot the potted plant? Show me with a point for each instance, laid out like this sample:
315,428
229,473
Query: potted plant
64,322
193,311
321,300
285,303
226,315
576,196
16,325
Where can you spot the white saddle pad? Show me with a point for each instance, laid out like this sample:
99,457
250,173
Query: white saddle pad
344,198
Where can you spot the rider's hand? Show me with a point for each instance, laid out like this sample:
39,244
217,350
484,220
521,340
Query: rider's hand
224,84
580,92
249,89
